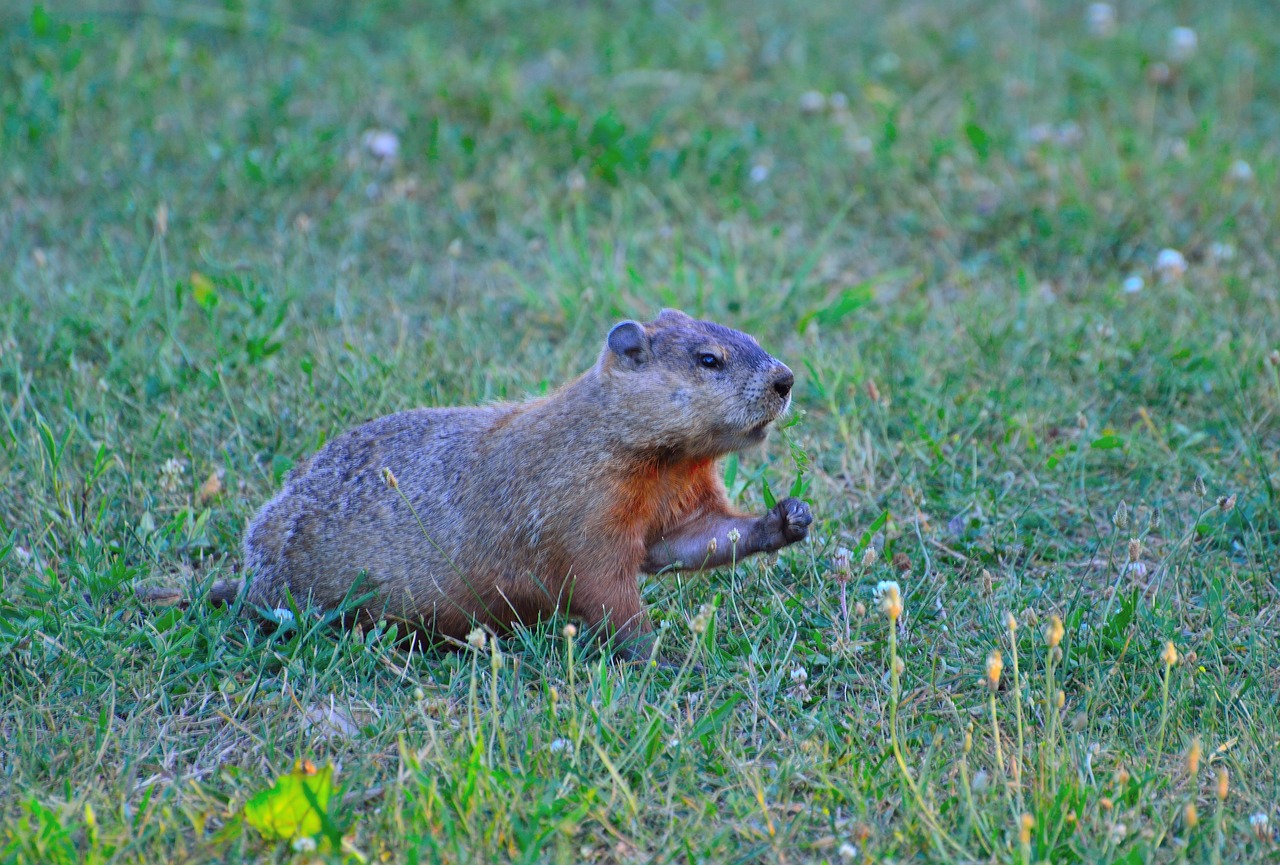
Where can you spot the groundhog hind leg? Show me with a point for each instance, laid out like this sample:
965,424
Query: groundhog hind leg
611,608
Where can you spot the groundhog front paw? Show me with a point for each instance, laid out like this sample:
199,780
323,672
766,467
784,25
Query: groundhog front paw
787,523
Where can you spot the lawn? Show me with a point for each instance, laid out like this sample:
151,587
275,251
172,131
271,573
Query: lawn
1021,256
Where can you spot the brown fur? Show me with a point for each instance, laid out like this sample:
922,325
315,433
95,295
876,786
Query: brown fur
505,513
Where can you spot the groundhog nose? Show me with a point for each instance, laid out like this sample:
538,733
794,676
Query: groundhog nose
783,381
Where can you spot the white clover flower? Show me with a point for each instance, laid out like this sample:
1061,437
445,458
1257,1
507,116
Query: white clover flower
812,102
847,852
171,474
282,614
1068,134
1133,284
1220,252
1101,19
558,745
1171,265
304,844
1040,133
759,173
800,675
888,597
382,144
1240,172
1182,44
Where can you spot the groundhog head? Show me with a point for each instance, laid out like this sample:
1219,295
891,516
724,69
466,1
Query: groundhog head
697,388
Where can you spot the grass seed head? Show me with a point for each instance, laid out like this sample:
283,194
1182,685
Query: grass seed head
1193,757
1198,487
1135,549
1224,784
702,620
1054,633
1260,823
1226,504
569,631
476,639
1189,815
1011,623
1169,655
734,536
389,478
995,666
1120,519
1025,824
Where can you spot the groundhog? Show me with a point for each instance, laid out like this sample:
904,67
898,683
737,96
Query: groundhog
503,514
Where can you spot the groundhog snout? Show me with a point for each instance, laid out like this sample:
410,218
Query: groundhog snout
783,379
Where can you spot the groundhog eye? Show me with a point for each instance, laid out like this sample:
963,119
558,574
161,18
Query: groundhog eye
710,361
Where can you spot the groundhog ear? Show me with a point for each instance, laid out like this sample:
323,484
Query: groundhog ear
629,343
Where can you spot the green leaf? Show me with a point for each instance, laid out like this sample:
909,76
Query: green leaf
979,140
204,291
769,500
871,531
41,23
1107,443
281,465
295,806
715,719
730,470
1115,628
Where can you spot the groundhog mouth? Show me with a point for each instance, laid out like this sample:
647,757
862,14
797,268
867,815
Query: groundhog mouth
760,430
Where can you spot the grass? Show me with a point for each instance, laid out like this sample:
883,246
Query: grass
208,273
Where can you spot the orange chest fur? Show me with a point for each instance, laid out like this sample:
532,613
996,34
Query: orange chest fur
655,497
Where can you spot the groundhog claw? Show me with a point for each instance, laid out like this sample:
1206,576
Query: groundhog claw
787,523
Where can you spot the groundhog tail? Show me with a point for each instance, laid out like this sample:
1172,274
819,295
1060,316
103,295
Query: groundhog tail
223,592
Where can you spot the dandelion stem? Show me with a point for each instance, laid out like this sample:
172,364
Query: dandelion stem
1170,657
1164,717
1017,707
894,689
995,735
844,609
